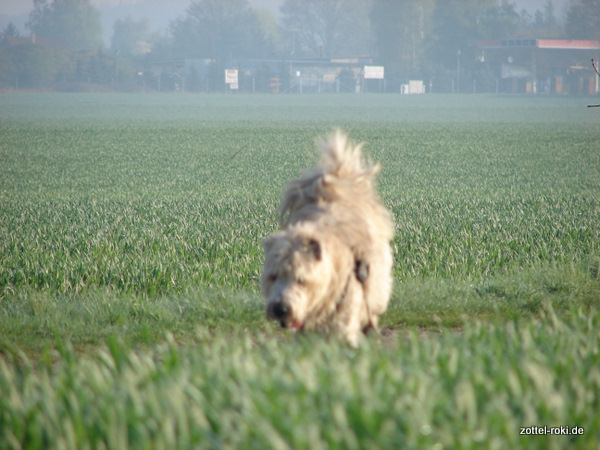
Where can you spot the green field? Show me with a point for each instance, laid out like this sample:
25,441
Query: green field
130,252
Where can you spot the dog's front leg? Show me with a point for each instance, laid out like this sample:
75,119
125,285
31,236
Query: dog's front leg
349,325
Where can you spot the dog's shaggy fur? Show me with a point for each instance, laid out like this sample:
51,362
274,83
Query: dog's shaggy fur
329,269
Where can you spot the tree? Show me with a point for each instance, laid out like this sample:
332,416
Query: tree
583,20
193,83
31,66
498,20
271,33
458,24
218,30
10,31
399,30
542,25
548,21
130,38
327,28
76,23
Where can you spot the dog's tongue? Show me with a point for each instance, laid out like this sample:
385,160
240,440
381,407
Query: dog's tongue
291,325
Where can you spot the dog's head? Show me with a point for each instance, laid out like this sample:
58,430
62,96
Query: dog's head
301,276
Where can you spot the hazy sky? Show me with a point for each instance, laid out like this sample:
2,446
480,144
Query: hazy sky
24,6
10,7
158,12
161,12
15,7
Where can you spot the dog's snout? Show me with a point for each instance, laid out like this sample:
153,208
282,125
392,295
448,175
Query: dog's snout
280,310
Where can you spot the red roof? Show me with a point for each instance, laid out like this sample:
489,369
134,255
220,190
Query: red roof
568,44
541,43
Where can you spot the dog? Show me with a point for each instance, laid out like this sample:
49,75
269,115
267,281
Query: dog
329,269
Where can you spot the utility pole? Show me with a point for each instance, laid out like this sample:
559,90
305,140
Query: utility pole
458,71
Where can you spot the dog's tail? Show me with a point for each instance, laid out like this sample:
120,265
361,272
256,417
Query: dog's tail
343,159
342,175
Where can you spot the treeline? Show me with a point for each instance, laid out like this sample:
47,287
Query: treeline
63,47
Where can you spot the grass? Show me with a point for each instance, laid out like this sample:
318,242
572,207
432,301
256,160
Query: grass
130,251
473,389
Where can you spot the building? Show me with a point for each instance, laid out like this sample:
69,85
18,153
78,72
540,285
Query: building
542,66
315,75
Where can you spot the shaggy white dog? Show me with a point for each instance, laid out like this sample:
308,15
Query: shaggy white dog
329,269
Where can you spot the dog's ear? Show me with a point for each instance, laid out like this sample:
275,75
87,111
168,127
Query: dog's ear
362,270
314,248
289,203
269,242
